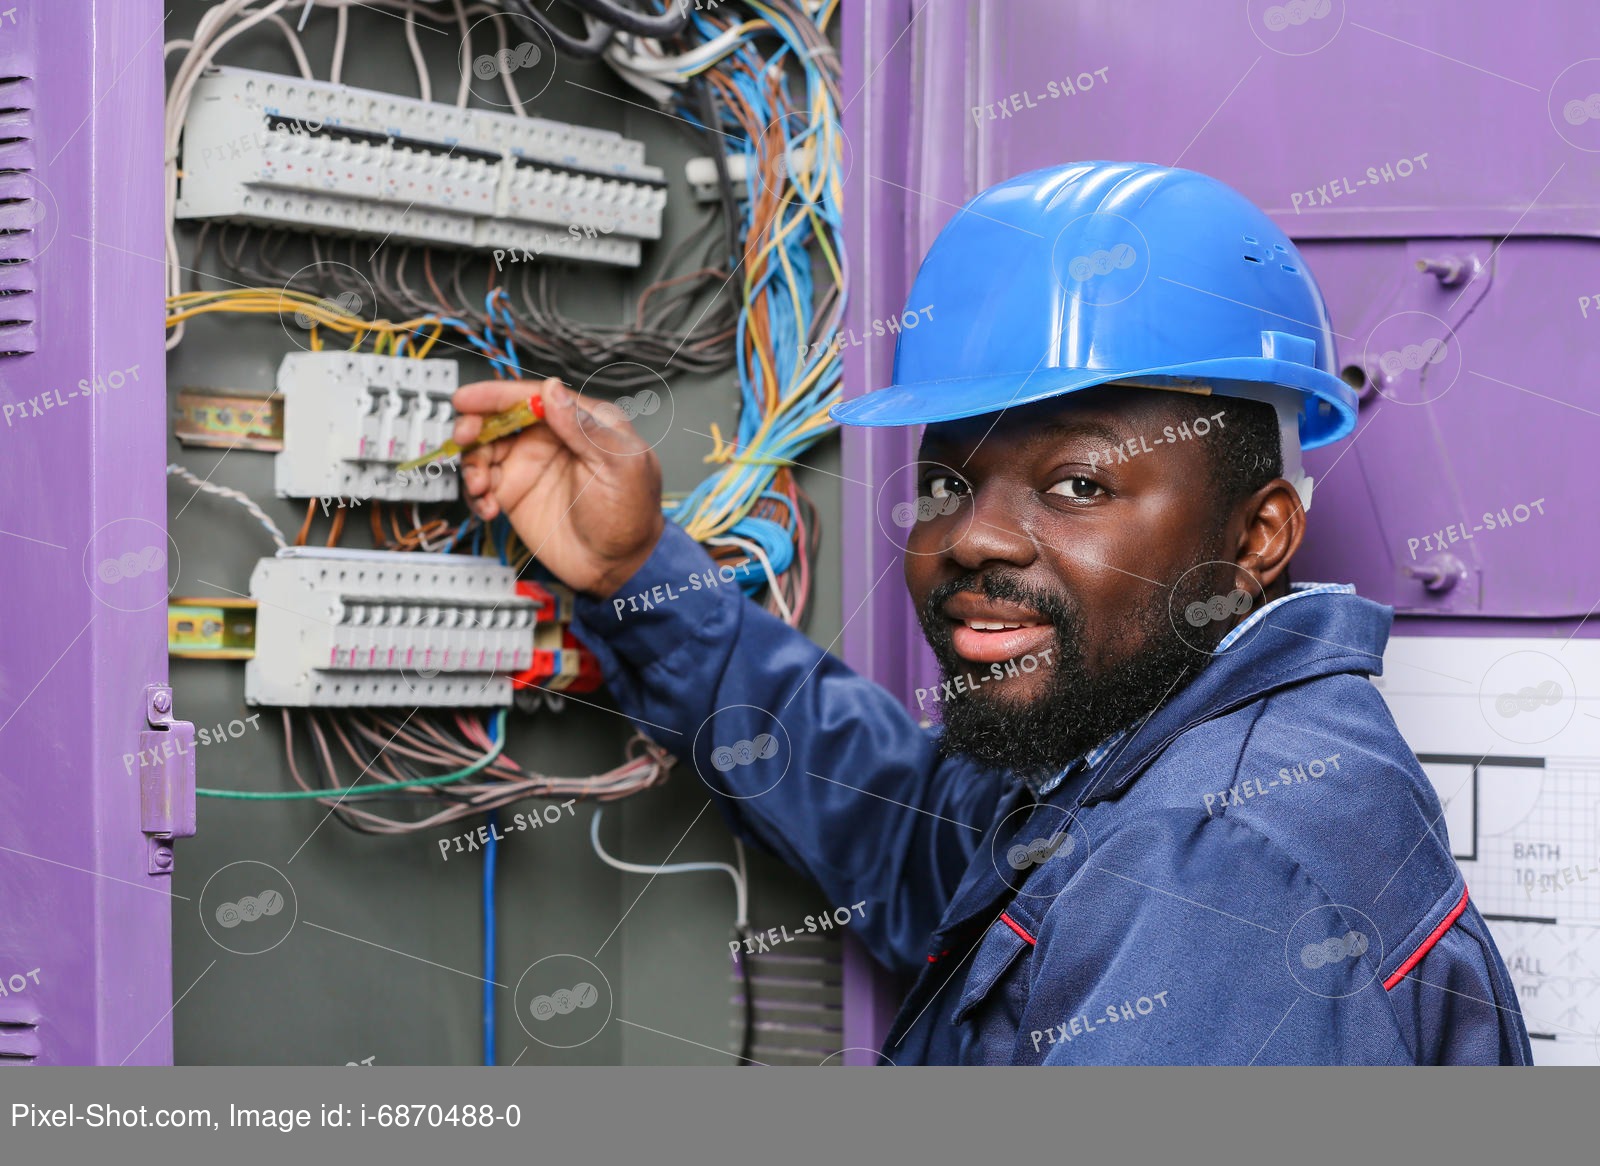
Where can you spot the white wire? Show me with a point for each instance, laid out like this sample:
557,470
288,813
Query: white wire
754,551
512,95
336,70
302,61
424,82
238,496
416,518
648,58
464,90
741,894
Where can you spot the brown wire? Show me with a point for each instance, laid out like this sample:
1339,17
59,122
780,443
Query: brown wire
305,527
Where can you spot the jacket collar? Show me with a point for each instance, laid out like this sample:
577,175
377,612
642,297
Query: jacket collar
1318,635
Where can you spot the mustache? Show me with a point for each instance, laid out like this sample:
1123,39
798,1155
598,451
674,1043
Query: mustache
1003,587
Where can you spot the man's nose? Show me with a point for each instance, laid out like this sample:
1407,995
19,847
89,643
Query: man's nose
992,531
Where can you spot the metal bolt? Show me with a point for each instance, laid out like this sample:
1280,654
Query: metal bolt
1437,575
1448,269
163,857
163,701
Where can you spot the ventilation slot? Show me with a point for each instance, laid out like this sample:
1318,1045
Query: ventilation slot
19,1041
27,218
799,1002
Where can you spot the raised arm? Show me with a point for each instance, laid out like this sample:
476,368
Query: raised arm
819,765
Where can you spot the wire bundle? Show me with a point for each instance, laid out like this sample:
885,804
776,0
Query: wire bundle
393,758
788,367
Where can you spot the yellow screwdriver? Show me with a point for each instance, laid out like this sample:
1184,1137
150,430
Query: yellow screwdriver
497,425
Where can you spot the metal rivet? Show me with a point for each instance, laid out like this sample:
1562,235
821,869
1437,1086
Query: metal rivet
163,702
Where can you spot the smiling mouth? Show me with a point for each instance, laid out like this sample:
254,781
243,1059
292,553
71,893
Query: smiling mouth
987,625
994,641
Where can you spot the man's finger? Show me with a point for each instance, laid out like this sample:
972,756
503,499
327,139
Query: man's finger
466,429
582,425
496,396
475,401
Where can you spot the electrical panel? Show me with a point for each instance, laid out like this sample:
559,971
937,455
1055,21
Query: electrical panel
351,417
357,628
275,150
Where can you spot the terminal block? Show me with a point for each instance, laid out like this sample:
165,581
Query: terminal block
560,662
355,628
285,151
351,418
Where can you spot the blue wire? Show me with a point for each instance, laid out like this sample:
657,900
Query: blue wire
498,296
461,532
497,727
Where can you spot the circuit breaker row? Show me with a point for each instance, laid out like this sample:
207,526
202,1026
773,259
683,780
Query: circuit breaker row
504,189
350,418
337,627
355,628
263,148
322,103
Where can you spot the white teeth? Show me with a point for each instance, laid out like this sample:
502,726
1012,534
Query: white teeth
985,625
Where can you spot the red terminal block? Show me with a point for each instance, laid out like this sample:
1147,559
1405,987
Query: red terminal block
560,662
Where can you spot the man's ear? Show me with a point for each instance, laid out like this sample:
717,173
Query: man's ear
1273,524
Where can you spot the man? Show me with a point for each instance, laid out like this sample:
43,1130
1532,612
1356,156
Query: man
1167,818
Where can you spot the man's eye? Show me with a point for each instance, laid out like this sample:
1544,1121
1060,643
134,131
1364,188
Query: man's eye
946,486
1077,488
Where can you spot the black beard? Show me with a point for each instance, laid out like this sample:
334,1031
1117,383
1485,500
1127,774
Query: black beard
1081,705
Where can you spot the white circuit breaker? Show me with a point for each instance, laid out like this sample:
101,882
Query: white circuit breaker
263,148
350,418
337,627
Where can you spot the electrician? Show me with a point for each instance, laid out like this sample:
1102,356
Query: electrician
1166,817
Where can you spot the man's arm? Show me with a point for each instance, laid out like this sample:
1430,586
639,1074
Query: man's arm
802,755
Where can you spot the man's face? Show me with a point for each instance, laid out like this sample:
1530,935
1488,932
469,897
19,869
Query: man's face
1058,585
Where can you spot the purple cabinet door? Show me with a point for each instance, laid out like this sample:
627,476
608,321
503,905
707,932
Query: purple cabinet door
1439,164
85,892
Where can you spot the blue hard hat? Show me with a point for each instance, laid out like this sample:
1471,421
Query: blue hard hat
1079,275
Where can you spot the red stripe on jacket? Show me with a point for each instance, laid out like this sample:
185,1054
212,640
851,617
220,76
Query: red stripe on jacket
1427,944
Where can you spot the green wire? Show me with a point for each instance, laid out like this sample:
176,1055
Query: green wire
372,790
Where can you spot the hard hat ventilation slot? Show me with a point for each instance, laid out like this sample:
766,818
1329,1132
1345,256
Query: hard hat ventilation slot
1251,259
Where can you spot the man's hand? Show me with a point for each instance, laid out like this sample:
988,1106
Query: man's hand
582,490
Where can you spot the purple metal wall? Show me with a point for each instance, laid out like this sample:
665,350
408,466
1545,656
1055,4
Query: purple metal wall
82,499
876,639
1377,135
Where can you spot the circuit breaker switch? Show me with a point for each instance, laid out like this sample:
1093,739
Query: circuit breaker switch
339,628
351,418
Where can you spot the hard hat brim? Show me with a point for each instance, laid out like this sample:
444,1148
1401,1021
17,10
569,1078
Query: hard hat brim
1328,416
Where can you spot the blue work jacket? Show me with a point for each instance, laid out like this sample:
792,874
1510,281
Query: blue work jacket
1257,873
